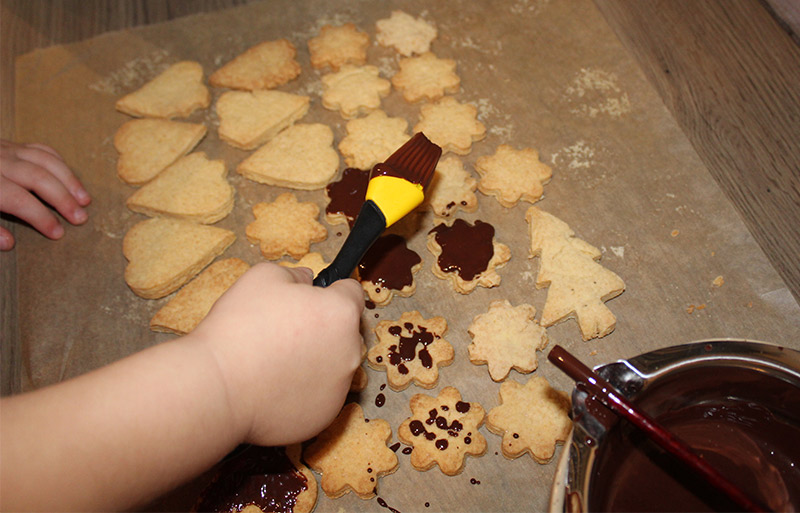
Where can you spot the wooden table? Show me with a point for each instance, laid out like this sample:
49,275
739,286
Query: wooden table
728,72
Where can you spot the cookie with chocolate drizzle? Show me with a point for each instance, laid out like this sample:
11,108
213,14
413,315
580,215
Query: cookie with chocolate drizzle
388,268
443,430
467,254
411,349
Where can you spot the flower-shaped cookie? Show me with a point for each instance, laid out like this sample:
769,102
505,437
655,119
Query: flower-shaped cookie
510,175
285,227
531,418
351,454
426,77
388,268
467,254
411,349
354,90
443,430
452,125
506,337
451,189
372,139
408,35
336,46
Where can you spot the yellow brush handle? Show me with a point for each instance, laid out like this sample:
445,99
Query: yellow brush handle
394,196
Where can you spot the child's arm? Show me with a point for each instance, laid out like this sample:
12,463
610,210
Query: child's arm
271,364
30,174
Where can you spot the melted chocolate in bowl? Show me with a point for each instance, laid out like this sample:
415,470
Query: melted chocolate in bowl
742,420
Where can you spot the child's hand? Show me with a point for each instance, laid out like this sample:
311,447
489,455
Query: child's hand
286,350
28,169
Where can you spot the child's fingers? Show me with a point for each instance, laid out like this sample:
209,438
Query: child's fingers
38,180
18,202
50,160
6,240
351,291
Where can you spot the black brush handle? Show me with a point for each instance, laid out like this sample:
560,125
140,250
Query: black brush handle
369,225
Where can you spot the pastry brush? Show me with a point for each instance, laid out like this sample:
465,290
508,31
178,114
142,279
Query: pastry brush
395,188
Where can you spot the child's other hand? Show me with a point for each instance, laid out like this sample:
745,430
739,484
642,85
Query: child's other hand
287,351
34,173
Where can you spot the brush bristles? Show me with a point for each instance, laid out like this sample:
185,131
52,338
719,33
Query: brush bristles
416,160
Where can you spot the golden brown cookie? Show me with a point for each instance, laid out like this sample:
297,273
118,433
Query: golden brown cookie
165,253
531,418
511,175
451,189
354,90
351,454
300,157
411,349
506,337
467,254
147,146
313,261
452,125
285,227
388,268
443,430
408,35
194,188
248,119
191,304
263,66
336,46
261,479
372,139
576,284
176,92
426,77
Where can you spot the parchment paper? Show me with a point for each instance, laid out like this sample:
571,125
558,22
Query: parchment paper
543,74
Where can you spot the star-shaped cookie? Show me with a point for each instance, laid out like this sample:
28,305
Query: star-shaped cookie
351,454
411,349
285,227
336,46
531,418
443,430
426,77
451,189
354,90
510,175
451,125
506,337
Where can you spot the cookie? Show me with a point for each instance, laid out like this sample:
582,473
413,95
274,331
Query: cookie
191,304
531,418
354,90
147,146
163,253
577,285
372,139
408,35
506,337
194,188
387,269
313,261
511,175
248,119
300,157
336,46
176,92
443,430
451,189
467,254
426,77
263,66
411,349
346,196
452,125
285,227
351,454
259,479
